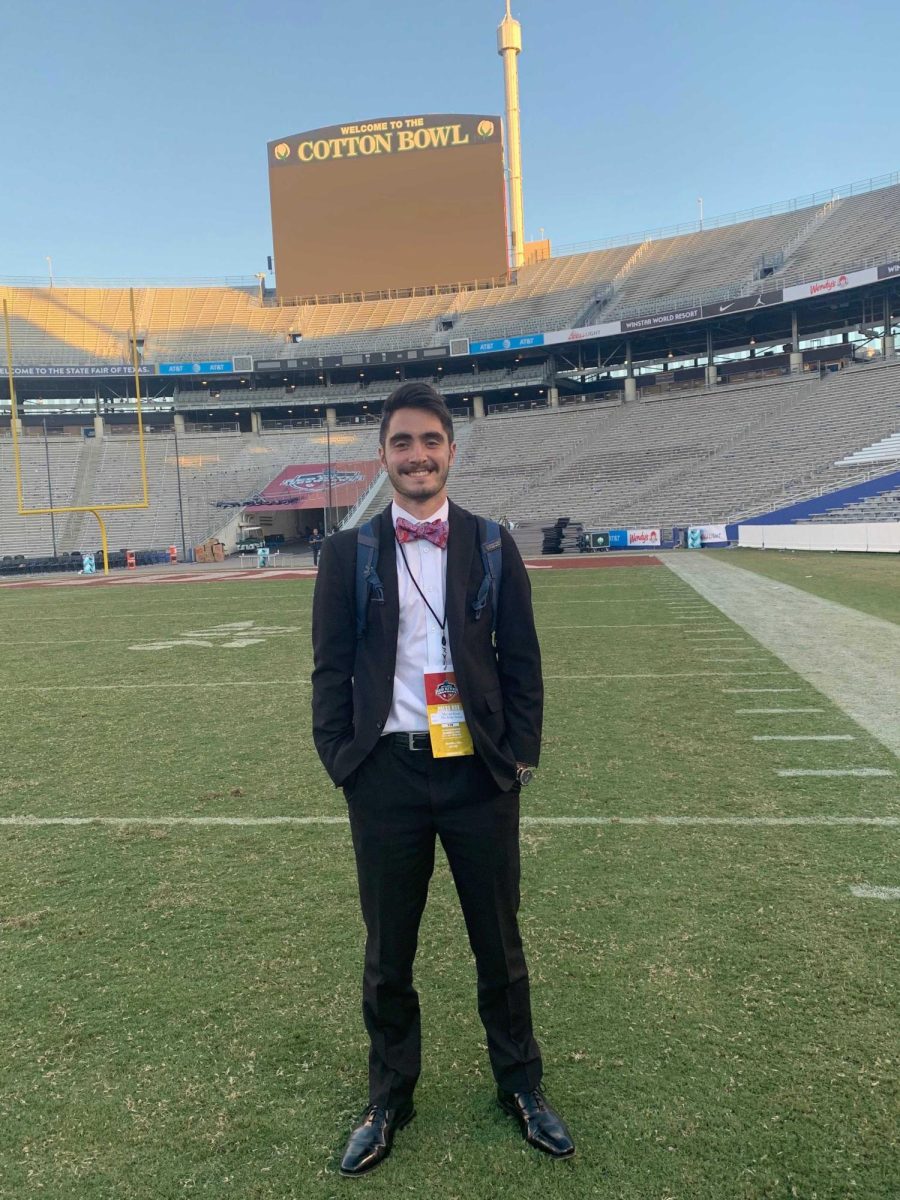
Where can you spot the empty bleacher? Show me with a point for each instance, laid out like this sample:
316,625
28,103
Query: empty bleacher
695,458
214,467
74,326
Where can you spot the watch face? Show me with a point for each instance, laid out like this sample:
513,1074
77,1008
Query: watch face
524,776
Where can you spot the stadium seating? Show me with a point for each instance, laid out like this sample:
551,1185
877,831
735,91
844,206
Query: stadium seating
214,467
697,458
885,507
689,458
72,326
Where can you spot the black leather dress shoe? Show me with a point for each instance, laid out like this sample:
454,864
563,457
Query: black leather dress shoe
543,1128
370,1142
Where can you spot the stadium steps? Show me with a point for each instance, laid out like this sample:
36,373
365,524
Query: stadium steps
75,528
885,506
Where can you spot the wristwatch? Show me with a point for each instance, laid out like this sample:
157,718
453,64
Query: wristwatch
524,775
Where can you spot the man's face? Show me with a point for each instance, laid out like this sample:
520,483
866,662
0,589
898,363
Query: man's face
417,456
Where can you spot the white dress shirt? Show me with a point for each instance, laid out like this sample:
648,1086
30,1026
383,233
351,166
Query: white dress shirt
419,634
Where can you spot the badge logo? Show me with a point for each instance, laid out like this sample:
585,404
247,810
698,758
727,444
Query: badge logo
282,151
446,691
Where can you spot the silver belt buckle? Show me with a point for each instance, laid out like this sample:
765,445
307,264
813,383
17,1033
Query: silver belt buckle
411,739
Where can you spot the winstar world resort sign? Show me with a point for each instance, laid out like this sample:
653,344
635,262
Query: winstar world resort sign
387,135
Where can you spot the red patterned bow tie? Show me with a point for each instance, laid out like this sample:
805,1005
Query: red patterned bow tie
435,532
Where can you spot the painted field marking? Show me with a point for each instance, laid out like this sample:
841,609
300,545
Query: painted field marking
856,772
804,737
164,685
676,675
746,659
610,600
550,822
752,711
705,639
867,892
267,683
735,691
633,625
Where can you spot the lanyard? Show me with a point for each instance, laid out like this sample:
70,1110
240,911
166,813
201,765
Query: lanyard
441,622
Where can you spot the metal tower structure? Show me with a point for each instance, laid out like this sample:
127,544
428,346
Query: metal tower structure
509,46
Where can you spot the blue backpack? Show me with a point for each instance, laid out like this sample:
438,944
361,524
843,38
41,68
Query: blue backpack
369,585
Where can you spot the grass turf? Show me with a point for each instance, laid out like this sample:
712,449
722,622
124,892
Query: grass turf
869,582
179,1008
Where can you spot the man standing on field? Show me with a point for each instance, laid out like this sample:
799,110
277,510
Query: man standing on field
426,650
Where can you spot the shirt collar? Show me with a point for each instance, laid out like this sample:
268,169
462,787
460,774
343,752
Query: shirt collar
442,514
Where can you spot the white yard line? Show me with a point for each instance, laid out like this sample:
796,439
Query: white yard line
550,822
594,625
761,711
804,737
735,691
854,772
163,685
273,683
748,658
705,638
675,675
867,892
609,600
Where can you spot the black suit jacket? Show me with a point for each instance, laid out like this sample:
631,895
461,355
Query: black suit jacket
500,686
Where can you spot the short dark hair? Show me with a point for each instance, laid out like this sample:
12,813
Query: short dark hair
416,394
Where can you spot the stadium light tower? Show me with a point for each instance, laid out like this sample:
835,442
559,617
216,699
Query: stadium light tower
509,46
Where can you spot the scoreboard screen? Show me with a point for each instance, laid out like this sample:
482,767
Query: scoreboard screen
396,202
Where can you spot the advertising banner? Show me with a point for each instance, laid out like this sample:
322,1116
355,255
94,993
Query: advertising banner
79,372
742,304
643,537
709,535
890,270
660,320
618,539
606,329
836,283
197,368
510,343
307,486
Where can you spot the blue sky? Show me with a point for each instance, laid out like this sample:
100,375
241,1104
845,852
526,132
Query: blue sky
134,134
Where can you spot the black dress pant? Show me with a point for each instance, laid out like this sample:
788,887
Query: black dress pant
399,800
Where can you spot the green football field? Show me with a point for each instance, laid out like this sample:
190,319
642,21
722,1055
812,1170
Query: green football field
180,977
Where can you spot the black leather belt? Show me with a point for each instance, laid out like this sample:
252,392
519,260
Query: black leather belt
418,740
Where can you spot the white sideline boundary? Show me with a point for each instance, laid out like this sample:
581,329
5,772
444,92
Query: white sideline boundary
550,822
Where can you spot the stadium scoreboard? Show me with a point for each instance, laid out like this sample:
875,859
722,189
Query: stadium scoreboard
390,203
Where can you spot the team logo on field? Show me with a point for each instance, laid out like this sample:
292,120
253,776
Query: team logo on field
234,635
485,129
282,151
446,691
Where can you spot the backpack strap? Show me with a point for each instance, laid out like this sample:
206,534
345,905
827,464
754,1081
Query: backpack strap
367,581
492,559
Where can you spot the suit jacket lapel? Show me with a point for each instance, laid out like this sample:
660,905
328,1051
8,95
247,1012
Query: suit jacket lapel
387,569
460,547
